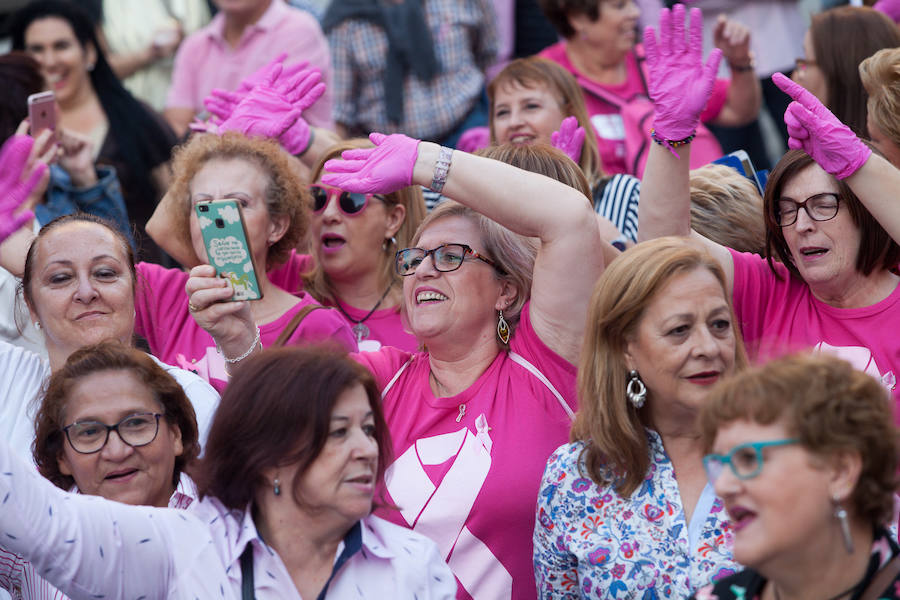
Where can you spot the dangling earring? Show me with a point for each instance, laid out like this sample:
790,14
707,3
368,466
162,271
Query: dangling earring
37,325
635,389
503,329
840,513
388,242
277,487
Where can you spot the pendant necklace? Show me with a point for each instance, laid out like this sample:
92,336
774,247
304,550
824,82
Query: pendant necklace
360,330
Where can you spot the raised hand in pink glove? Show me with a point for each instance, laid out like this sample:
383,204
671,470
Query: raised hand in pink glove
221,103
569,138
301,91
815,130
262,75
14,191
386,168
889,7
263,113
680,84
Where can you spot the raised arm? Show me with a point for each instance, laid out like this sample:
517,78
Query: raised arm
815,130
744,92
21,176
569,258
680,85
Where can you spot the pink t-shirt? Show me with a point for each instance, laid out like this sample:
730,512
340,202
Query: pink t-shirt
467,469
163,318
606,118
206,61
782,316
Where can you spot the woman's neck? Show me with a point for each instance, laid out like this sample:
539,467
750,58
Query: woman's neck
274,303
363,291
455,368
862,291
823,568
603,67
85,98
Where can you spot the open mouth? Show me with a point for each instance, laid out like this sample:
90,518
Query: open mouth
428,297
119,475
740,517
813,251
522,138
332,241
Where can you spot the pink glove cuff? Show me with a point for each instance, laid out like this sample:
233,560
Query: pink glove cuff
854,164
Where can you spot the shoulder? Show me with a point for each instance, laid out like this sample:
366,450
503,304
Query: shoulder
556,52
384,363
563,470
153,273
202,395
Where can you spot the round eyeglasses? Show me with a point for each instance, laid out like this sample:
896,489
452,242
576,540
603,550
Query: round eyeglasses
745,460
349,203
88,437
821,207
446,257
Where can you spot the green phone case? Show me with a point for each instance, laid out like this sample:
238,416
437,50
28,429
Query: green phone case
227,248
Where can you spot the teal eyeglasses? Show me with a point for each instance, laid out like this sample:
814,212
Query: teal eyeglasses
745,460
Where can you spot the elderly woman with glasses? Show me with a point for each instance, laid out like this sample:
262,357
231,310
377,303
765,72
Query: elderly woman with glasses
832,224
499,313
804,455
101,390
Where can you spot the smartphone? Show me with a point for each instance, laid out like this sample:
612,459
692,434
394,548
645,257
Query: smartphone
227,248
42,112
749,169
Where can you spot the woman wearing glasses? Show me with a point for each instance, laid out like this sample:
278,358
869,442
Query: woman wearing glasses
101,389
500,316
613,520
832,227
352,239
804,456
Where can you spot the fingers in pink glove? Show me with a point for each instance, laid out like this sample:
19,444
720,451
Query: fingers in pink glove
695,41
262,74
290,71
305,91
13,156
800,94
384,169
676,37
221,103
796,121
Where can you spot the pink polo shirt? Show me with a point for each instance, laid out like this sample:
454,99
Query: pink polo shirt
206,61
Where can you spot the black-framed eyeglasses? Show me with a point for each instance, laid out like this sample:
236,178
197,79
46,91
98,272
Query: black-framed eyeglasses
88,437
745,460
821,207
349,203
446,257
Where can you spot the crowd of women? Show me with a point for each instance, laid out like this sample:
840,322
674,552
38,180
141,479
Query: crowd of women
561,381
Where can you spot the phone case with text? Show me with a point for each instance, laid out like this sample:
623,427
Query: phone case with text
227,249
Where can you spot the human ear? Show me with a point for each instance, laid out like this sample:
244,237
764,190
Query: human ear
278,226
844,470
395,216
63,463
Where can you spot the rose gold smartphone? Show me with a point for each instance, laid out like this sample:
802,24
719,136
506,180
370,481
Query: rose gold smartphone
42,112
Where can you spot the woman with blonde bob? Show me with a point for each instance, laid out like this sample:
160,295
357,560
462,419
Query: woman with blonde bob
880,75
529,99
804,454
612,517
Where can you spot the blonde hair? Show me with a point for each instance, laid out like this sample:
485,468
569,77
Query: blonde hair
514,254
315,281
285,192
535,71
617,450
880,74
727,208
543,159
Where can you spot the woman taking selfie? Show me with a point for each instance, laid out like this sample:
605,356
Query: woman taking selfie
804,454
286,494
104,388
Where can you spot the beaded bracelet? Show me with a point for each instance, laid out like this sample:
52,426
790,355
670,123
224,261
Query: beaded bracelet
672,143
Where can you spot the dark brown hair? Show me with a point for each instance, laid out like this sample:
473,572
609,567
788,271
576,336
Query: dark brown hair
21,77
842,38
830,407
109,356
877,250
275,412
59,222
558,12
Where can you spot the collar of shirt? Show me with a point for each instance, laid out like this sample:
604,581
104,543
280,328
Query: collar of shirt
269,19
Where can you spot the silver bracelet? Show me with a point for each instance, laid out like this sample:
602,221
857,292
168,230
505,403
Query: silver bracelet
441,169
245,354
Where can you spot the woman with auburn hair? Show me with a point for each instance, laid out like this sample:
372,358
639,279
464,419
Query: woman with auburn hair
804,454
880,75
103,388
352,239
612,517
529,100
837,41
286,494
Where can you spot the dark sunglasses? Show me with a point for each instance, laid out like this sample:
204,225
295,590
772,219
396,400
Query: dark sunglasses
350,203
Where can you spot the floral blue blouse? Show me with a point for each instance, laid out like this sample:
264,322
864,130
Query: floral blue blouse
590,542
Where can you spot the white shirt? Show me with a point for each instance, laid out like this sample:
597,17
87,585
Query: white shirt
91,547
23,375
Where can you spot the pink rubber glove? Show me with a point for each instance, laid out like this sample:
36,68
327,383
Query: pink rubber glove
262,75
263,113
221,103
569,138
474,139
386,168
889,7
815,130
301,91
680,84
14,191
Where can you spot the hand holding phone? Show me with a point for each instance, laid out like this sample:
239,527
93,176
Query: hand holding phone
227,249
